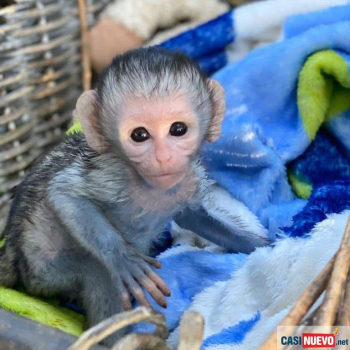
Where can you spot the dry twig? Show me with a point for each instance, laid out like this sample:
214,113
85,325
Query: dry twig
191,331
303,304
86,74
333,279
343,318
328,310
309,320
95,334
135,341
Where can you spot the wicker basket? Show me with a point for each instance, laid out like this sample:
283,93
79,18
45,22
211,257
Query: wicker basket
40,80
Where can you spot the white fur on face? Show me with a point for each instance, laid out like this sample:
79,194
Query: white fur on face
162,159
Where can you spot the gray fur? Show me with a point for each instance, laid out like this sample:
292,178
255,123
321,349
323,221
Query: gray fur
200,221
152,73
82,223
76,224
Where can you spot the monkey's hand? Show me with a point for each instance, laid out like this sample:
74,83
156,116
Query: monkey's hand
136,272
128,268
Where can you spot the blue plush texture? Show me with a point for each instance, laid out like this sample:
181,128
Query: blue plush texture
326,167
212,63
330,197
324,161
232,335
298,24
340,126
262,133
206,43
205,269
280,215
263,130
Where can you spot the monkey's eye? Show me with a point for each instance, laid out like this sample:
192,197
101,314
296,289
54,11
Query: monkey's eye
140,135
178,129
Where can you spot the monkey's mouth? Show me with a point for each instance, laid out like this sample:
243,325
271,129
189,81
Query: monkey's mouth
166,180
164,175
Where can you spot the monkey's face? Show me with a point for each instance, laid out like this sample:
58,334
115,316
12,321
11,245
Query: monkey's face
160,137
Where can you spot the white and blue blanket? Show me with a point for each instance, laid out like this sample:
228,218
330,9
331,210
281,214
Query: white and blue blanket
283,159
286,133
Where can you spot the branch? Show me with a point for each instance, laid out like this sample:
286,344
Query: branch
142,314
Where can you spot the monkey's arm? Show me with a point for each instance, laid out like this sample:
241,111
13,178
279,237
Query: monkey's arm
125,265
225,222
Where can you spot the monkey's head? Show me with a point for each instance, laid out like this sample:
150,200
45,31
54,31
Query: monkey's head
156,108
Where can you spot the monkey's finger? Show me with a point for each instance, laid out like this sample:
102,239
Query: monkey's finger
157,264
159,282
152,289
153,262
124,294
125,298
138,293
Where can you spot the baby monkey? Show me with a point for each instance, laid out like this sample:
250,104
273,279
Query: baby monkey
83,220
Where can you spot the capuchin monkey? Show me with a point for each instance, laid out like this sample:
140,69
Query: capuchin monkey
83,220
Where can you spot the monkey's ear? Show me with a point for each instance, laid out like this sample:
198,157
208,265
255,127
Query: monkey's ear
219,107
85,112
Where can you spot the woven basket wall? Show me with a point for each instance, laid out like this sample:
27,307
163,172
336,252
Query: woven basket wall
40,80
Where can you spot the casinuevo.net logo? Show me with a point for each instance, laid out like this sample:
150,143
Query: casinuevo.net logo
313,337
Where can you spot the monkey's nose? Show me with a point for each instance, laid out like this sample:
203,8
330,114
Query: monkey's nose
164,159
163,155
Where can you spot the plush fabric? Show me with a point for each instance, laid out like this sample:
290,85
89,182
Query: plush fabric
230,37
243,310
287,105
145,17
277,99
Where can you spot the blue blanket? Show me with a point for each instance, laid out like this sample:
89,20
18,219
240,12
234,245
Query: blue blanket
285,154
269,120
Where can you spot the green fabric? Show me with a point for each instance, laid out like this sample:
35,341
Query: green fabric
301,187
323,89
75,128
323,92
47,312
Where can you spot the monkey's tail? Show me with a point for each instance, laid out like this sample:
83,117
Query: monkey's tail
8,273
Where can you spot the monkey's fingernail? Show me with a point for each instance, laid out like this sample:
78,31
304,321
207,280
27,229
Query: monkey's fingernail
158,265
164,305
168,294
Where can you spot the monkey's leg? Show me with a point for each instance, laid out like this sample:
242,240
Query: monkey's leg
77,275
225,221
100,298
229,233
